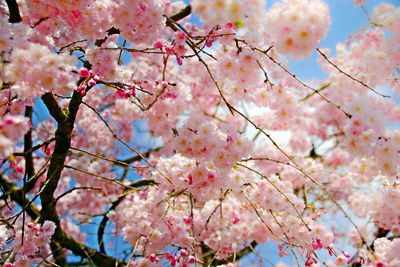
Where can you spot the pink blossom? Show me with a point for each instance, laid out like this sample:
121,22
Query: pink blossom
158,44
84,72
180,37
143,6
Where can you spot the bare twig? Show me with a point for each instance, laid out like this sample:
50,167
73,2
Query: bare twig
298,80
126,144
348,75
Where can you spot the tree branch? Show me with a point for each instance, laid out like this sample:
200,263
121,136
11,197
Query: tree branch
15,17
29,166
18,196
348,75
60,238
54,109
184,12
63,137
135,158
34,148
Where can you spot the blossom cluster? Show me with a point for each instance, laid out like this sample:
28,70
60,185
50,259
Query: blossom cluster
387,252
365,133
31,243
138,20
36,70
242,14
3,235
12,128
385,212
297,26
67,20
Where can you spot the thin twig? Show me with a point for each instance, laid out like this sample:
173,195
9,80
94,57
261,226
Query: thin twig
348,75
124,143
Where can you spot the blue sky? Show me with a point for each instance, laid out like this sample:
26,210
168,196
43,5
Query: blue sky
346,19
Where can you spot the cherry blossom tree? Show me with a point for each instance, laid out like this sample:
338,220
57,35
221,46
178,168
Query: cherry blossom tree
177,134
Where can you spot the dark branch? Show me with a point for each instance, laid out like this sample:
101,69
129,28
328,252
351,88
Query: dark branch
184,12
135,158
29,166
18,196
110,32
54,109
15,17
63,140
60,238
34,148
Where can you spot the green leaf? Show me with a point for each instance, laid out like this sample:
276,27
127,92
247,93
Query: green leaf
239,24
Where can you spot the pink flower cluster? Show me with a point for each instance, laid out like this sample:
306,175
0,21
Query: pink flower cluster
12,129
96,55
386,212
138,20
243,14
387,252
239,73
216,148
164,222
3,235
161,118
37,70
297,26
89,80
176,49
12,36
218,143
365,135
388,16
372,55
66,21
153,227
35,245
276,197
95,199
